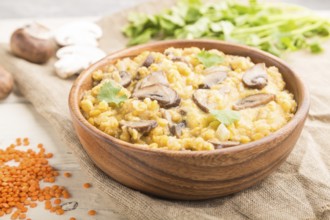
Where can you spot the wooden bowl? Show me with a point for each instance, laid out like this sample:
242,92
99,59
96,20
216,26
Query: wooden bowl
189,175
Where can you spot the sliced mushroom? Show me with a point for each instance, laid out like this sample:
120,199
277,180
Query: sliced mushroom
74,59
254,101
183,112
143,126
33,43
153,78
223,144
213,79
176,129
256,77
78,33
201,99
166,96
70,65
80,50
126,78
148,61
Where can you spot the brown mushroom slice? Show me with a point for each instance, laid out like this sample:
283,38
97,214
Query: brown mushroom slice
176,129
152,79
223,144
254,101
166,96
143,126
148,61
126,78
256,77
200,97
213,79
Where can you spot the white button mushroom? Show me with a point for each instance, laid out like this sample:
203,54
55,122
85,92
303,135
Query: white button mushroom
78,33
74,59
80,50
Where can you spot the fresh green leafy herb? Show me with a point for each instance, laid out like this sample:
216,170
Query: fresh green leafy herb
316,48
209,59
275,28
111,94
226,117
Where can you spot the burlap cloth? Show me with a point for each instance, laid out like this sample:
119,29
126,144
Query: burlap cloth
299,189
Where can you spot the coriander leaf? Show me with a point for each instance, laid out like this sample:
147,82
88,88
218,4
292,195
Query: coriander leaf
193,14
277,29
315,48
199,28
142,38
226,117
209,59
111,94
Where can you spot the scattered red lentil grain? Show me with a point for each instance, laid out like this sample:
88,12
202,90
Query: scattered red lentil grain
33,205
22,216
72,218
57,201
20,184
60,211
67,174
87,185
91,212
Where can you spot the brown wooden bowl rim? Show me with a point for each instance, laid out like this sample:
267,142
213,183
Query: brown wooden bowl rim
74,100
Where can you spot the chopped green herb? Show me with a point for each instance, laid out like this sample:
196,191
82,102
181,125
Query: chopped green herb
209,59
226,117
316,48
111,94
275,28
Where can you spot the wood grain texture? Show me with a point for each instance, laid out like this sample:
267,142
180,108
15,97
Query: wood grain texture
190,175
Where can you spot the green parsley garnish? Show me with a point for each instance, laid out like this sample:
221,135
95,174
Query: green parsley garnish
226,117
209,59
111,94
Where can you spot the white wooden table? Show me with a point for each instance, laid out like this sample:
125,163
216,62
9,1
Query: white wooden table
18,118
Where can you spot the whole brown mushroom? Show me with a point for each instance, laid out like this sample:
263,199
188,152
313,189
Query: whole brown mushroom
33,43
6,83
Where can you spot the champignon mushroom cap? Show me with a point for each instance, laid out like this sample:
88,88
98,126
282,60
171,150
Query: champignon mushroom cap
126,78
33,43
6,83
148,61
201,99
213,79
254,101
153,78
256,77
166,96
223,144
143,126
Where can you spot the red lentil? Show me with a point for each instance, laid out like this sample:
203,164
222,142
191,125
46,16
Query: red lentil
91,212
87,185
67,174
20,185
